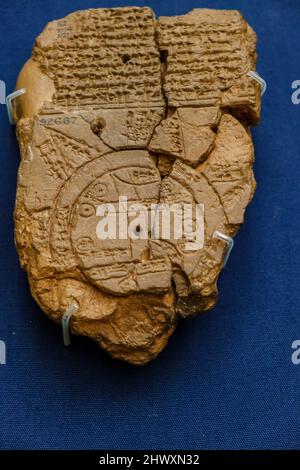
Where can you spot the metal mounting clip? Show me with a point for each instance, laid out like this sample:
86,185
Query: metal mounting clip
259,79
9,100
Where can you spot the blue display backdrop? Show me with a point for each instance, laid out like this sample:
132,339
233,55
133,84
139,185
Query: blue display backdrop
226,379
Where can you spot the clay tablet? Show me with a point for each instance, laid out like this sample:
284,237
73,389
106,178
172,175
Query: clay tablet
129,126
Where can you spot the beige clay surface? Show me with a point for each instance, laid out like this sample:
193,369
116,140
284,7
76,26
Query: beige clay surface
119,103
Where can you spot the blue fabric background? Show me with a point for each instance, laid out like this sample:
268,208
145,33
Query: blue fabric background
226,380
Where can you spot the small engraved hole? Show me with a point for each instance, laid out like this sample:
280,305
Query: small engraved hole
126,58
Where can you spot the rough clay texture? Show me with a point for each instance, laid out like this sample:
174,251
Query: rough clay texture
120,103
